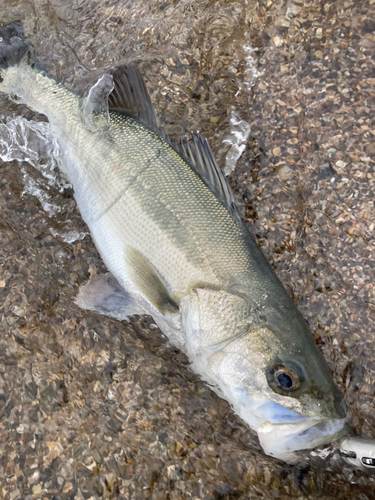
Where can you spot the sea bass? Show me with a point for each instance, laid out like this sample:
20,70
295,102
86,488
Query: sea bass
163,219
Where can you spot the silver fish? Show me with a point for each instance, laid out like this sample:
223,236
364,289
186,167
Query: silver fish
163,219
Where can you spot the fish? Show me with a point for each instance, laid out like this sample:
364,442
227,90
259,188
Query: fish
163,218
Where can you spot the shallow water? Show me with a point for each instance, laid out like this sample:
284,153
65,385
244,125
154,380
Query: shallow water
94,408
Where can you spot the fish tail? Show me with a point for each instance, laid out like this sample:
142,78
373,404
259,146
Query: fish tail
21,75
14,59
13,46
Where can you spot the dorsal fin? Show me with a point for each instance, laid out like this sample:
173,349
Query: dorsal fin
129,96
198,153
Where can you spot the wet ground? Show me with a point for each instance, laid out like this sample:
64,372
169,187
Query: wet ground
94,408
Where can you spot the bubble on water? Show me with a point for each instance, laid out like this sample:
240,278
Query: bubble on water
32,142
68,236
250,71
240,128
322,453
32,187
237,137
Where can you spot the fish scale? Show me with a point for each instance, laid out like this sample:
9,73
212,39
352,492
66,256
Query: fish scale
182,209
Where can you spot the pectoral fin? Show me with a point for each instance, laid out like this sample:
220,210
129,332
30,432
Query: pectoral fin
149,284
104,295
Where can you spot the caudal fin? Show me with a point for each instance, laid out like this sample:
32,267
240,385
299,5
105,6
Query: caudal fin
13,46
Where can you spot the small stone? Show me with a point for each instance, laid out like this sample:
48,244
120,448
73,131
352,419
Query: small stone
174,472
10,320
110,479
276,151
277,41
59,447
280,102
15,494
33,478
22,428
36,489
18,311
178,447
267,476
284,172
340,164
68,486
79,495
97,456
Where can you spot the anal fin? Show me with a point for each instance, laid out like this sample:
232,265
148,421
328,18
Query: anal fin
105,295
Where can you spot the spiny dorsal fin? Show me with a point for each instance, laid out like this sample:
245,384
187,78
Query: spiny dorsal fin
199,155
129,96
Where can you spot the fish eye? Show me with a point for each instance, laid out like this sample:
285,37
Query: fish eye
286,379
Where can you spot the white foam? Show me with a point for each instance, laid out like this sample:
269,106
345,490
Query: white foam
250,71
32,142
32,186
237,137
239,128
68,236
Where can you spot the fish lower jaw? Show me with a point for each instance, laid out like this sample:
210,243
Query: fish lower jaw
283,440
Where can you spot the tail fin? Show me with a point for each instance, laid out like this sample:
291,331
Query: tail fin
13,46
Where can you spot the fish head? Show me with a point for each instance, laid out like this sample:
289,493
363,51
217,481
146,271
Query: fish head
262,358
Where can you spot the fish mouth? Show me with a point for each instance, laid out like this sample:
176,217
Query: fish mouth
283,440
282,431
